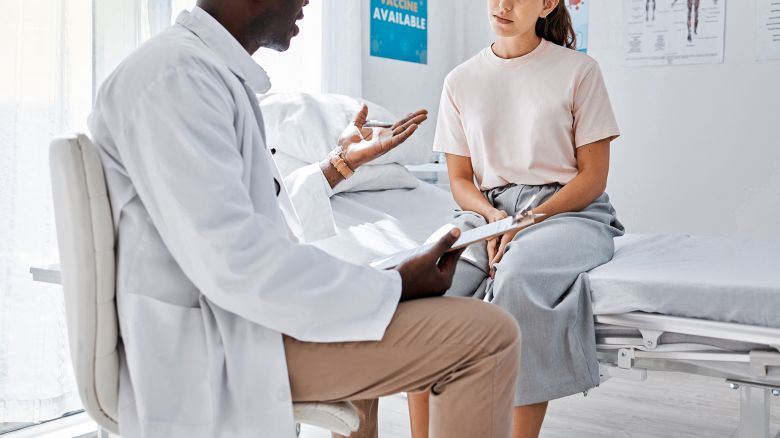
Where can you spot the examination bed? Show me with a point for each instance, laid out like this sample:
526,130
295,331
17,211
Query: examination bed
707,306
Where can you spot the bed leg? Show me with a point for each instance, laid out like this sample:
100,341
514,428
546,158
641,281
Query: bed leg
753,411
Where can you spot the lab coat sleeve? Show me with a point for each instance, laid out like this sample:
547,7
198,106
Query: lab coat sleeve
310,194
179,146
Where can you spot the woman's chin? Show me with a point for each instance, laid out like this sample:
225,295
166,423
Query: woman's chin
503,32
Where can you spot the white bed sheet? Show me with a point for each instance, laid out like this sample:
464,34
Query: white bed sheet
720,279
373,225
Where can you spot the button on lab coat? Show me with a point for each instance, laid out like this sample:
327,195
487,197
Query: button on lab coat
210,274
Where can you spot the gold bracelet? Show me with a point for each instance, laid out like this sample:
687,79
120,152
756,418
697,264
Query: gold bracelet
336,158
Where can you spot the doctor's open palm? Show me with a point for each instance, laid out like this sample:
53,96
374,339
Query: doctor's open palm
361,144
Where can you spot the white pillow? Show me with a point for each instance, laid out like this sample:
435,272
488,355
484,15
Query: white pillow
366,178
307,126
378,177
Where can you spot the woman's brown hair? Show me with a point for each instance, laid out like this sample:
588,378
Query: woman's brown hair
557,27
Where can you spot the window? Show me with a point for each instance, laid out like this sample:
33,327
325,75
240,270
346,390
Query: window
299,68
54,52
45,89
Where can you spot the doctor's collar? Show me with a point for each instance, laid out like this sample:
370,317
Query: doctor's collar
219,40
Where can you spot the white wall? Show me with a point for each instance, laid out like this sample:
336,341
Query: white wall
476,28
403,86
700,151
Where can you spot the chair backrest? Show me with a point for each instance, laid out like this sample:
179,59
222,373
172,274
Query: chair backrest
85,233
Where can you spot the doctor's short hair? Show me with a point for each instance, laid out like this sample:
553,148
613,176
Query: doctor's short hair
557,27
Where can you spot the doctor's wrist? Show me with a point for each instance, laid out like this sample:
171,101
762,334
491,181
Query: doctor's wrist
332,174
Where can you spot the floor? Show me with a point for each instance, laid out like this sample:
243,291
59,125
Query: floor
667,405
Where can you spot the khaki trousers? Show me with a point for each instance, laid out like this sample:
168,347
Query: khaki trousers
463,350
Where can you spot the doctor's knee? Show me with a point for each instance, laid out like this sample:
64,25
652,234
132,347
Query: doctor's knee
500,328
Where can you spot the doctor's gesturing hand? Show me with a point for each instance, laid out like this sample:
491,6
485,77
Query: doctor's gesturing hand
361,145
358,144
429,274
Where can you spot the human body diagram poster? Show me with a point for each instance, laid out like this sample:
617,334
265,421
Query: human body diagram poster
674,32
768,29
399,30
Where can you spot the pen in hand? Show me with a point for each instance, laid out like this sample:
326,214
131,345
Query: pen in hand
377,124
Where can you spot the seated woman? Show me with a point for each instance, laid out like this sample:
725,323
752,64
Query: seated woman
527,119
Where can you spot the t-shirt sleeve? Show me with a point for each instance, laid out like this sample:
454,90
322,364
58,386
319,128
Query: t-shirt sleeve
594,119
450,136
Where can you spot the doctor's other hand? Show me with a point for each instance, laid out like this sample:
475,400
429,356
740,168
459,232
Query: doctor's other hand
429,273
361,145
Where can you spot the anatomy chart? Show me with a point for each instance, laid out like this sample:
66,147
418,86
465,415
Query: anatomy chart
674,32
768,27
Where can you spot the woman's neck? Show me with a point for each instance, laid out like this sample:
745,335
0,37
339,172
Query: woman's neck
516,46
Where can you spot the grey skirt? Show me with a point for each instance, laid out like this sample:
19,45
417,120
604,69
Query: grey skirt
541,281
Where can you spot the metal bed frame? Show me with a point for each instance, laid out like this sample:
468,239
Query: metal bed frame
632,357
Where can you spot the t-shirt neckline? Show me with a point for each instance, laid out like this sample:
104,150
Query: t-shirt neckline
496,60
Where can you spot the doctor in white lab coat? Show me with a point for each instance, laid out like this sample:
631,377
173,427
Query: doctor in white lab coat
216,297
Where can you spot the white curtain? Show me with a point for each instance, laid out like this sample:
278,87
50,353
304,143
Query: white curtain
45,89
47,74
342,47
49,69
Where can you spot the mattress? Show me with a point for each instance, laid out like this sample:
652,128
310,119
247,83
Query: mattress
719,279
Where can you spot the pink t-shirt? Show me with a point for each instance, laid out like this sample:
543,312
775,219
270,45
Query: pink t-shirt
521,119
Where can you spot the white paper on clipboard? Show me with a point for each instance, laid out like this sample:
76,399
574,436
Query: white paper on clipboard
466,238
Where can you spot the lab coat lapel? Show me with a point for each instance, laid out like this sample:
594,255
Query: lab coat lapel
285,203
255,80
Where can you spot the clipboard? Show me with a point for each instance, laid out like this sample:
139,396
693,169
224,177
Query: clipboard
522,220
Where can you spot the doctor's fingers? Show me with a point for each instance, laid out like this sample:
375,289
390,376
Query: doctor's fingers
440,248
411,116
389,142
449,261
418,120
361,116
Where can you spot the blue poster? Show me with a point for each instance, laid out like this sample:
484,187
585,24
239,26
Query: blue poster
399,30
578,9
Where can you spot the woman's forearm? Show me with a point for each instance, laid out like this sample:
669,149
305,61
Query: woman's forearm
469,198
574,196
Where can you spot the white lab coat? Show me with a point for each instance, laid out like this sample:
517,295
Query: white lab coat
209,277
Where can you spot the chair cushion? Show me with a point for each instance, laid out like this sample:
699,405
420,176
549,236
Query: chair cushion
340,418
85,235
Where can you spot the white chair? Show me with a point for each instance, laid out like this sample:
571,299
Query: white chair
86,238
